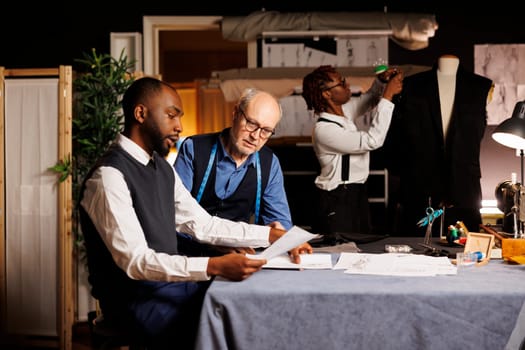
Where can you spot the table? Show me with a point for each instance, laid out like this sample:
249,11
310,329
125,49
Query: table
479,308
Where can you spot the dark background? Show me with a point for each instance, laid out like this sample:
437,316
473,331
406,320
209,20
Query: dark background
44,34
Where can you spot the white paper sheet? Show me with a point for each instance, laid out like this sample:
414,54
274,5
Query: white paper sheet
395,264
318,261
291,239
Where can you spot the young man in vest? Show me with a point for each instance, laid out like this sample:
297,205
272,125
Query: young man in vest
132,204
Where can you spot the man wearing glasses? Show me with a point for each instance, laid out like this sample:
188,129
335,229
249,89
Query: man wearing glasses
232,174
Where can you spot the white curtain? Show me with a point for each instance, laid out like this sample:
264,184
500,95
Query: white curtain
31,147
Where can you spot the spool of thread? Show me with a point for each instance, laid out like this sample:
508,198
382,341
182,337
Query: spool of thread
380,69
479,255
452,234
461,225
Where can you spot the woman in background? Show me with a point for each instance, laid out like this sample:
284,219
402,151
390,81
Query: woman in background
343,151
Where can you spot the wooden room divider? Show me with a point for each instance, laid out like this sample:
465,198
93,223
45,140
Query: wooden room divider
36,243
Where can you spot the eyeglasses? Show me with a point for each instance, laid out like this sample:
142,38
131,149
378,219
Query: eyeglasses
252,126
341,83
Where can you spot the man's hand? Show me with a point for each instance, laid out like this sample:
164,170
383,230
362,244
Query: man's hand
277,231
276,224
304,248
235,267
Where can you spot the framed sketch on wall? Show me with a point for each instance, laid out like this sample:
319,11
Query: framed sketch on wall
505,65
362,52
312,49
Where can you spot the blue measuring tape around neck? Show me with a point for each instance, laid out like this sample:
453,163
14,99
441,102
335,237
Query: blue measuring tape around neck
208,171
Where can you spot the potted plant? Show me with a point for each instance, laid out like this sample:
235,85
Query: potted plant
98,87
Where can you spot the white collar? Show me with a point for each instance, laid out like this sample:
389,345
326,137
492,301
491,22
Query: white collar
133,149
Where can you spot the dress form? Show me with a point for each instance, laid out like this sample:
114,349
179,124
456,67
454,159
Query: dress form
446,77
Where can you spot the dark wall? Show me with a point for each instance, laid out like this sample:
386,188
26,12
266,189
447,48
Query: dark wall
41,35
47,35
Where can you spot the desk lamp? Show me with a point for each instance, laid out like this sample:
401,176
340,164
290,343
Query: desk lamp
511,133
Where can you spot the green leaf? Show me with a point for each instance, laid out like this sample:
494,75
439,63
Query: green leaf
100,82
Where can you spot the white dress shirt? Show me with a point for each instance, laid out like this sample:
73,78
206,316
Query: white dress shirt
331,141
108,202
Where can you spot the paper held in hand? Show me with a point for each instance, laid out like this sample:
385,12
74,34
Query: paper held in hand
277,256
291,239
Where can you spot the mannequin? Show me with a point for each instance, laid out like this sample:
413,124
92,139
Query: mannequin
434,144
448,65
446,75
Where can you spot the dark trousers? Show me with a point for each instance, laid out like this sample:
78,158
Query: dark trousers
165,315
343,210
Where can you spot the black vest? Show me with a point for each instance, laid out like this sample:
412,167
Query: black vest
240,206
151,189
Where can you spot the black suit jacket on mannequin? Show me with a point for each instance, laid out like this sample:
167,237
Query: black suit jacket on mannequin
427,166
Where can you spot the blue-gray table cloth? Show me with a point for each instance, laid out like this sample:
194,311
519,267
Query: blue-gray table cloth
479,308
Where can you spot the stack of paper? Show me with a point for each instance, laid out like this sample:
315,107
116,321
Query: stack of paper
308,261
395,264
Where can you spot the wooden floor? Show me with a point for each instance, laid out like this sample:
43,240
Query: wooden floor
82,340
82,337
